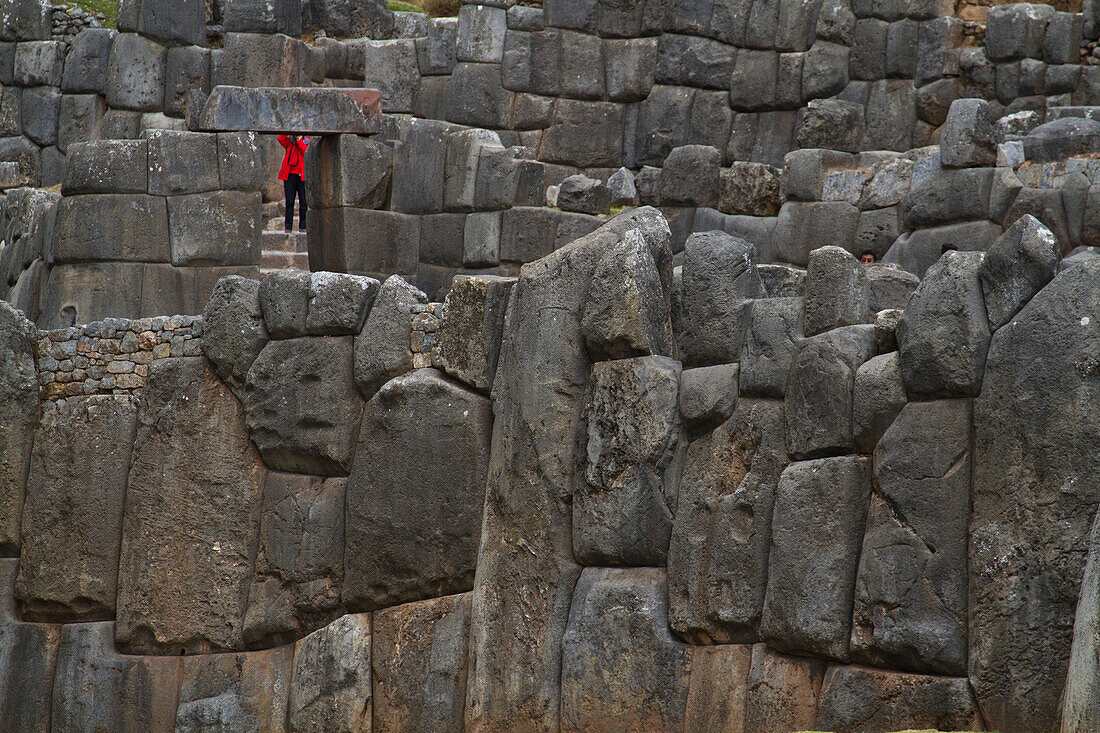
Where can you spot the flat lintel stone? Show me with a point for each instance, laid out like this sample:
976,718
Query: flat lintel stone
320,111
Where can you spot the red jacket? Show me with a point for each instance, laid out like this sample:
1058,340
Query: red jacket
295,158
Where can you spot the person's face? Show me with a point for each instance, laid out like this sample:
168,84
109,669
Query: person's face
867,259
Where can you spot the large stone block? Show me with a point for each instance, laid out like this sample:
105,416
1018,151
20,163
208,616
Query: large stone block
87,60
419,651
1029,413
92,291
39,63
188,532
331,686
805,226
967,137
476,97
364,241
470,330
817,528
259,60
27,677
79,119
718,555
175,22
25,20
1016,31
241,162
41,111
623,514
708,396
308,111
414,506
838,292
219,228
891,287
718,688
783,691
238,692
720,279
690,176
774,331
303,409
618,630
129,227
859,698
72,517
96,688
910,609
136,73
877,398
481,31
944,334
182,162
233,329
819,390
383,348
348,170
919,250
1017,266
19,414
263,16
584,134
948,195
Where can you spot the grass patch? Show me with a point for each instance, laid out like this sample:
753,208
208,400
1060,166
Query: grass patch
400,6
107,7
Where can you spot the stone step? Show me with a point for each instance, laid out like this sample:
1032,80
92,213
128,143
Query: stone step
284,261
282,242
1087,112
275,224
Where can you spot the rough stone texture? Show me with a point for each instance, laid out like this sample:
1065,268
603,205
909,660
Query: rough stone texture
718,688
719,550
967,140
238,692
303,408
944,334
339,303
217,228
910,609
783,691
331,686
18,419
584,195
313,111
708,396
136,74
188,531
419,652
891,287
750,188
720,279
526,571
284,301
29,653
618,631
1080,707
382,347
72,518
1062,139
818,404
414,505
471,328
233,332
1017,266
623,513
838,292
107,166
817,527
774,331
862,699
126,227
877,398
96,688
1023,419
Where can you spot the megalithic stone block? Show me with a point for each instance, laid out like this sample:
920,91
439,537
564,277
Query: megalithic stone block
295,110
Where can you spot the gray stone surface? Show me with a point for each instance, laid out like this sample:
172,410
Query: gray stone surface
331,686
910,608
416,492
750,188
944,334
1062,138
128,227
690,176
470,330
918,251
720,279
1018,665
39,63
838,291
1080,707
382,349
350,170
187,531
966,140
181,162
41,110
802,226
708,396
339,303
86,62
136,74
783,691
238,692
419,651
1017,266
817,528
948,195
623,513
233,329
19,416
891,287
180,22
284,302
313,111
818,405
718,555
26,679
878,397
303,408
217,228
774,331
72,517
782,281
618,630
584,195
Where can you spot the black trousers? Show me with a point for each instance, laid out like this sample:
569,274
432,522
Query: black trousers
295,186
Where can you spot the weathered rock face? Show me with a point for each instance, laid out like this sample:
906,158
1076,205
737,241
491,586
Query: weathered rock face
292,111
838,292
131,694
817,527
471,328
191,516
718,555
944,334
719,688
331,686
1018,265
1081,699
302,404
416,492
623,513
862,699
708,396
18,418
910,608
239,692
1033,471
877,398
233,329
621,668
419,652
382,348
775,329
72,519
29,656
526,571
783,691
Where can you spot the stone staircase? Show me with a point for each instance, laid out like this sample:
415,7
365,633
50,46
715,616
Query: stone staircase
282,251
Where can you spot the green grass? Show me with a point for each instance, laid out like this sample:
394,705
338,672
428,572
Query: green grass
107,7
407,7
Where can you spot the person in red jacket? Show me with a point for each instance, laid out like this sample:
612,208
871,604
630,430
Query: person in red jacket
293,176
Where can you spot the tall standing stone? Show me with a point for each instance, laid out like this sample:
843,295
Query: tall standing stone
243,693
192,515
18,418
331,687
1036,425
